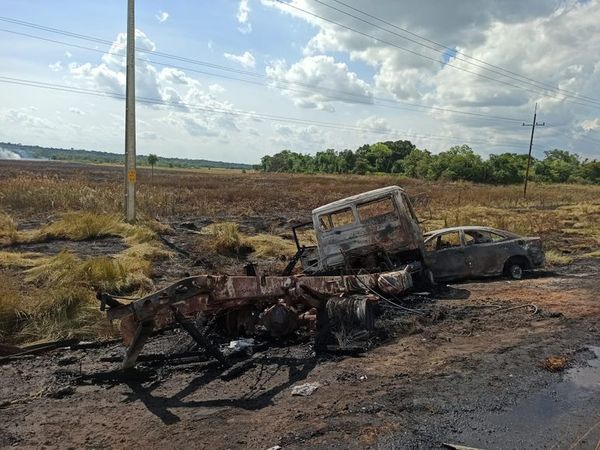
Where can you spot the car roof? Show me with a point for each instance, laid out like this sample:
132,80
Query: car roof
468,228
364,196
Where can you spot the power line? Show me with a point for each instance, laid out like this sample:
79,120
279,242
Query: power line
110,43
270,81
445,47
187,106
590,104
254,74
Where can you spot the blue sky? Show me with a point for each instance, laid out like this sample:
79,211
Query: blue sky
300,66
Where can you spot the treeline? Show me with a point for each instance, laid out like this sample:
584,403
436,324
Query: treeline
457,163
98,157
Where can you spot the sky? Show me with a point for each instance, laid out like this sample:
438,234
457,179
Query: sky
234,80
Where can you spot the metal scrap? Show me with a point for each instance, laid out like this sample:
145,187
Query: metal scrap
277,301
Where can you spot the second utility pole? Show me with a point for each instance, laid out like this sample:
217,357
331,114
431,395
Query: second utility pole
130,172
530,146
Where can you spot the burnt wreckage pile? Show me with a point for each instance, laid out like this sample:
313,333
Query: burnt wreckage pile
280,304
369,246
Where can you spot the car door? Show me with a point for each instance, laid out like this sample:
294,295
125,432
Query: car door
485,252
446,256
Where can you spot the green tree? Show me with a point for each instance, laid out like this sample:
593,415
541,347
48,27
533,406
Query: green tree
152,160
327,161
361,167
417,164
347,161
378,157
459,163
558,166
590,171
506,168
400,150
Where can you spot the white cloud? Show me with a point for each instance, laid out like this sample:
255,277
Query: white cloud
243,14
148,135
55,67
374,123
162,16
300,138
170,85
216,88
322,81
26,120
245,60
590,124
332,59
68,54
76,110
493,32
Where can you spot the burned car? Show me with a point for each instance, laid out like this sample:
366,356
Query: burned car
471,252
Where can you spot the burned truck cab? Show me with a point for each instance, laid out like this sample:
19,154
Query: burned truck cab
373,231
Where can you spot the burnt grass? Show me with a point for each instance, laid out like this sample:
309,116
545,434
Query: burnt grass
106,246
466,369
460,373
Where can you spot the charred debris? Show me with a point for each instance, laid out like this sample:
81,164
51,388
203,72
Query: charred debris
366,255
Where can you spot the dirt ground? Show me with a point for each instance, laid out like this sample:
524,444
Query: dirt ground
470,372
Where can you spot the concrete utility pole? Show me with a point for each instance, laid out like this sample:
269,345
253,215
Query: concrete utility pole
130,172
532,125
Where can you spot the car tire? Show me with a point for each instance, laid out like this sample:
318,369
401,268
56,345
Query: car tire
515,271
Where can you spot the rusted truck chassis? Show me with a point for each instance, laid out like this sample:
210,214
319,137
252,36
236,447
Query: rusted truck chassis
278,303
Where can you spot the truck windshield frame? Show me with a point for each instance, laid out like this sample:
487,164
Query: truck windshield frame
377,210
337,219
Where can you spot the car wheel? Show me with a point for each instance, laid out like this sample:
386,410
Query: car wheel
515,271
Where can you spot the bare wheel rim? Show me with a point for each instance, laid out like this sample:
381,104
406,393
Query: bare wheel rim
516,271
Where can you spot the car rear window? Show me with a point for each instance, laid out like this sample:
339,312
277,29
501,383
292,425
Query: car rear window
336,219
376,210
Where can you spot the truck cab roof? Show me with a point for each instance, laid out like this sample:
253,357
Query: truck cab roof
358,198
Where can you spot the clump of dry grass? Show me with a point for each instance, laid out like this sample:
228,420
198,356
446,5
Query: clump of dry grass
271,246
226,239
19,260
60,314
555,363
11,307
555,258
223,238
8,229
58,299
594,254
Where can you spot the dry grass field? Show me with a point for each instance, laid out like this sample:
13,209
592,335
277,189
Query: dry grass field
469,370
47,295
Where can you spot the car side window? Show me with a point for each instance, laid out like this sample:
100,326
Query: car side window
469,238
477,237
450,239
481,237
431,244
496,237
